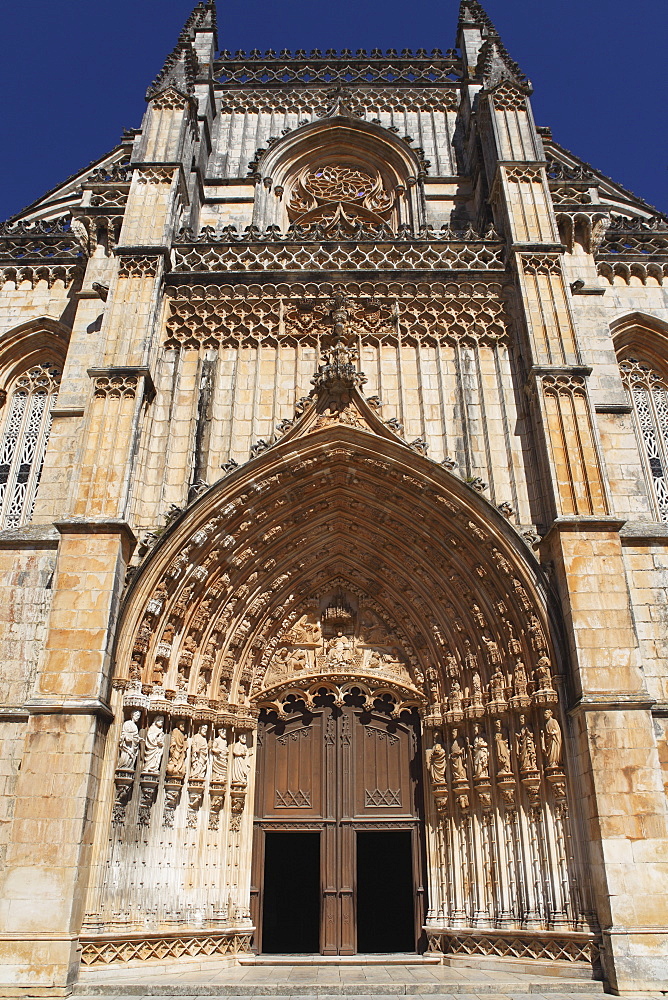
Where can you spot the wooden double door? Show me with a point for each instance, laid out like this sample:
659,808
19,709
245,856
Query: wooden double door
338,854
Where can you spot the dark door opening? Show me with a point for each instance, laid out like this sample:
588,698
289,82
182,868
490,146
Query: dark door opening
291,893
385,894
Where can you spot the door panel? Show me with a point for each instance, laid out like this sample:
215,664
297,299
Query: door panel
338,771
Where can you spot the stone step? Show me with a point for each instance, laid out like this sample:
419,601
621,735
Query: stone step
339,960
435,991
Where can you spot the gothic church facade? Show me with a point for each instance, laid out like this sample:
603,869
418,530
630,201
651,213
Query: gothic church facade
334,530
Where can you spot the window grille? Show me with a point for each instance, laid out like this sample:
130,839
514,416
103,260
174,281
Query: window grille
649,394
23,442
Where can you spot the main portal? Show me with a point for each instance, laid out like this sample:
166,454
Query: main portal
338,856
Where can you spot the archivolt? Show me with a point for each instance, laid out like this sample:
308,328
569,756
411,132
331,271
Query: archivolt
339,509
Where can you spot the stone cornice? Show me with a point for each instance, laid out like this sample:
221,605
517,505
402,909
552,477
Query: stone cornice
69,706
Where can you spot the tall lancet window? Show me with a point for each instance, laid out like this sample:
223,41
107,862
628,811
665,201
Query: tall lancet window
649,394
25,432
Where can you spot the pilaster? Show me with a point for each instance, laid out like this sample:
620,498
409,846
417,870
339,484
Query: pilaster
46,871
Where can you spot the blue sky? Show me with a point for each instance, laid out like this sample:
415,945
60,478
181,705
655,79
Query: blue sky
73,72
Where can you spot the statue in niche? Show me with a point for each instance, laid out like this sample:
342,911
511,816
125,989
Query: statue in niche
480,750
128,744
240,762
203,683
552,739
497,686
182,679
477,689
339,650
537,636
135,667
526,746
298,660
492,650
436,763
543,675
154,745
199,752
178,748
470,658
455,697
502,749
219,752
157,675
457,757
520,680
431,677
451,665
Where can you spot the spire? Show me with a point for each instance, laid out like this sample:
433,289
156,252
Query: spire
181,66
485,54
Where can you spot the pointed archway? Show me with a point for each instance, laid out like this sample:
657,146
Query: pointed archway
341,563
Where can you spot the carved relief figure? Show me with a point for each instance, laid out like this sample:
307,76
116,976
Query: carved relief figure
298,660
431,676
280,660
219,756
339,650
526,746
502,749
199,753
128,744
240,762
477,689
480,750
178,747
457,756
436,763
154,745
552,739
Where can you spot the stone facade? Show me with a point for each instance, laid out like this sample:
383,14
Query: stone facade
336,384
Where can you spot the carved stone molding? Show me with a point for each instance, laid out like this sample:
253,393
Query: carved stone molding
105,949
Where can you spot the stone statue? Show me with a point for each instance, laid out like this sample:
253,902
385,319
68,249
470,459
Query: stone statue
451,665
497,686
520,680
502,749
455,697
154,745
535,630
199,753
219,757
526,746
178,747
240,762
457,755
128,744
492,650
552,739
477,689
543,675
480,750
203,683
431,675
339,650
436,762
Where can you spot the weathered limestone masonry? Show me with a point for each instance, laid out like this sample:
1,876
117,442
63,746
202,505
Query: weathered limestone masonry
334,502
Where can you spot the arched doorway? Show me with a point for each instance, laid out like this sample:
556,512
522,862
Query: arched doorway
338,856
